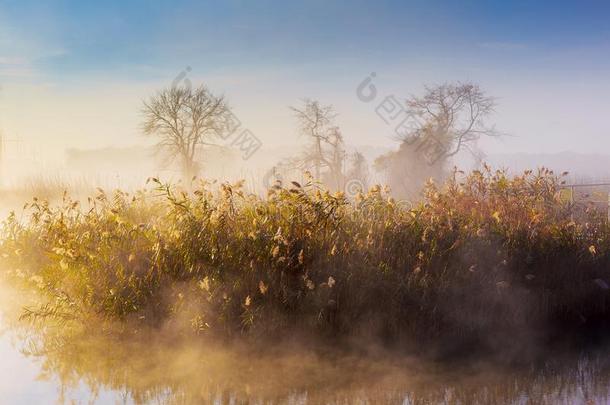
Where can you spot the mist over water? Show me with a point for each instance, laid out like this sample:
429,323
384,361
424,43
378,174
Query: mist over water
53,363
99,362
345,202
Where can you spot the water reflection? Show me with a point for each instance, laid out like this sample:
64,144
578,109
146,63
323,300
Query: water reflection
111,367
95,363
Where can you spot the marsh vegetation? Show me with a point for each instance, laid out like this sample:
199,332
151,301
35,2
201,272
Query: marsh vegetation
486,260
178,294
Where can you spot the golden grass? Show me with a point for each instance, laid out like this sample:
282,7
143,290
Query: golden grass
485,257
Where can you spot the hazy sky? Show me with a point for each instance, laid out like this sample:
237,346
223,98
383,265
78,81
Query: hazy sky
73,73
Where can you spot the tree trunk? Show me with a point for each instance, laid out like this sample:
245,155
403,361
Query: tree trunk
189,168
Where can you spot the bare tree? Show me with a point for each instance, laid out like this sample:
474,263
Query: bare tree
454,114
446,120
184,120
327,150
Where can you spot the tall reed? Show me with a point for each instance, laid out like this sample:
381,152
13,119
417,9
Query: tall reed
485,257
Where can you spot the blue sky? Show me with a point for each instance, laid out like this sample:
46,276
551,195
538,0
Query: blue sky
81,37
547,62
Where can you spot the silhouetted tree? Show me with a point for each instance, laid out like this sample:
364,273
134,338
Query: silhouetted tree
327,148
444,121
184,119
454,114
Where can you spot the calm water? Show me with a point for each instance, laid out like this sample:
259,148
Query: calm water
54,364
23,380
50,365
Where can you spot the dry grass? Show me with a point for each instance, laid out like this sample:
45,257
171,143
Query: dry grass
485,257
